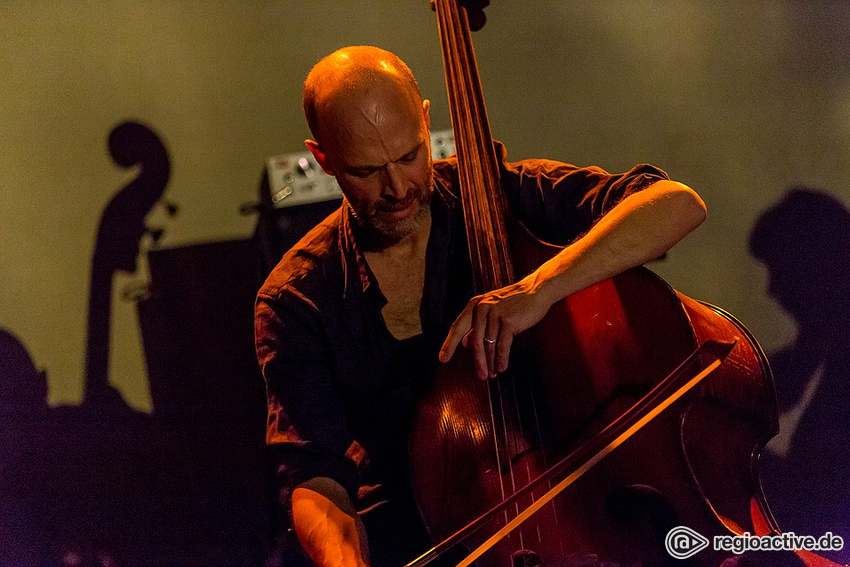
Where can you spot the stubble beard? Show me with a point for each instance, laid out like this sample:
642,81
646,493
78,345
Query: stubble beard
375,219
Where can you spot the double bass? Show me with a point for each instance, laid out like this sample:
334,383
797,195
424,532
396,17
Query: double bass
629,412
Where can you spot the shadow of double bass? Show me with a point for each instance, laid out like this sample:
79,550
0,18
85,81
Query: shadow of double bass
119,235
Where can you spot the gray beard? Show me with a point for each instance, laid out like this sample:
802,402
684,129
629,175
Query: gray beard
373,219
401,229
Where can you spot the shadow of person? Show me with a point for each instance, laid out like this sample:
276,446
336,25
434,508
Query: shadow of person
23,413
23,388
804,241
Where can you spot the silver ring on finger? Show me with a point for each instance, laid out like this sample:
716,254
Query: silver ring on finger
490,341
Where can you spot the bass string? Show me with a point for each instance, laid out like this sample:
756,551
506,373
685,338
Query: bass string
487,237
521,377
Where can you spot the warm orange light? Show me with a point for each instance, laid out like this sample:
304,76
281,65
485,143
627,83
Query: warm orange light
461,426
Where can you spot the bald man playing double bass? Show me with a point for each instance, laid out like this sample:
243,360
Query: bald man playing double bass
351,322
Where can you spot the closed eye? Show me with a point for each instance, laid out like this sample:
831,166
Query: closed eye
363,172
410,156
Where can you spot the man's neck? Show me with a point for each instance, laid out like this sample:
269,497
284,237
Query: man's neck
400,271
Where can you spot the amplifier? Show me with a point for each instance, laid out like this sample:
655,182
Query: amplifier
296,178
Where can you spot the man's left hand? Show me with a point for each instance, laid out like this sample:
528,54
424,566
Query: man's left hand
490,321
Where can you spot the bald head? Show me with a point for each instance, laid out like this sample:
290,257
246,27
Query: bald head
350,72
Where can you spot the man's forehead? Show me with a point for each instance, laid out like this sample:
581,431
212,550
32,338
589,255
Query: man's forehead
359,145
377,111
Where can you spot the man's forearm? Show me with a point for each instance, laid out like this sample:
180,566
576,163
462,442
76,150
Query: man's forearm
329,529
641,228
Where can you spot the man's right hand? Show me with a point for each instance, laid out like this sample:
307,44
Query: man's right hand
327,525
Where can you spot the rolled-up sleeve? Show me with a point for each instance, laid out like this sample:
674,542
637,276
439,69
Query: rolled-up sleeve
307,427
559,202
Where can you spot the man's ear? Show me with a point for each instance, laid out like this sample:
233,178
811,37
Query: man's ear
426,108
321,157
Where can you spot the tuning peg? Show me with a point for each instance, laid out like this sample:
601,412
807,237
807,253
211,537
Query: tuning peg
156,234
171,208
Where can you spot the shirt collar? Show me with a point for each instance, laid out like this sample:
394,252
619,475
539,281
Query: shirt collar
355,270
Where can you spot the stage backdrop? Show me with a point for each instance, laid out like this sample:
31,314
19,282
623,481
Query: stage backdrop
738,100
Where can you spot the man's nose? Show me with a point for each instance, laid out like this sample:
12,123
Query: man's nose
394,184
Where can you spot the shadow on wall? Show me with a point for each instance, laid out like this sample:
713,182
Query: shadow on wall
119,235
804,241
103,485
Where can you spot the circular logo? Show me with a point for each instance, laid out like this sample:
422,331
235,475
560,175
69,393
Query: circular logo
683,542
